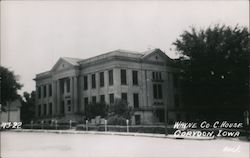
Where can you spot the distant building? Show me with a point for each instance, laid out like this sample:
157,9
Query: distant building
147,81
11,112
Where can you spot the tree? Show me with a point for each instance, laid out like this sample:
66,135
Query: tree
120,108
96,109
28,107
215,67
9,86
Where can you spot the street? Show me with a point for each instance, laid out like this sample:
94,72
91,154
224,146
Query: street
50,145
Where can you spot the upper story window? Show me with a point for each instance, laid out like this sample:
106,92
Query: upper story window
85,82
135,77
111,80
50,90
44,91
156,76
39,92
93,81
50,108
123,77
101,79
157,91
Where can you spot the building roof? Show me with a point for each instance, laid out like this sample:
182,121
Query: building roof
73,61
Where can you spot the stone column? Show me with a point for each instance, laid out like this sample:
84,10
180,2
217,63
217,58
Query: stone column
58,97
72,93
75,97
54,96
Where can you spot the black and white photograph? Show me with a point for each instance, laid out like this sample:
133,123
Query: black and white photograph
124,79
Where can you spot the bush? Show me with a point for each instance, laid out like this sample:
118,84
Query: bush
116,120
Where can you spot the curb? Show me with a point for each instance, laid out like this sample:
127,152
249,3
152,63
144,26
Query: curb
113,133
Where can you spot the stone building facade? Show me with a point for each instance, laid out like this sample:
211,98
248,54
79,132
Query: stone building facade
147,81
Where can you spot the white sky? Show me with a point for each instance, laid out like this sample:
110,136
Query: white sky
35,34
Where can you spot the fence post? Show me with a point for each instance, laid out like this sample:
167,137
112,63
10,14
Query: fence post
105,124
42,124
127,121
70,124
87,125
56,123
31,123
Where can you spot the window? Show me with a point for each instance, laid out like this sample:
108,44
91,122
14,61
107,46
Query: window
160,115
69,108
68,85
135,77
101,79
69,102
94,99
156,76
39,92
86,101
111,80
125,97
136,100
93,81
50,108
102,98
176,100
111,98
85,82
50,90
44,91
157,91
137,119
123,77
62,107
44,109
39,110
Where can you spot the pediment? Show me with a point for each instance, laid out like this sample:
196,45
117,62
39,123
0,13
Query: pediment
62,64
155,55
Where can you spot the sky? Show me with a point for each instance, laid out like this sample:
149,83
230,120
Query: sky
35,34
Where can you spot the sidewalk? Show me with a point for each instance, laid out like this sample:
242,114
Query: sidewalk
72,131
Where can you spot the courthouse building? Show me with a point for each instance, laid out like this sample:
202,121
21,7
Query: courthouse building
147,81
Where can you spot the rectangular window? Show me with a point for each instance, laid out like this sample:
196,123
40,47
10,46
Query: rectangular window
157,91
44,109
102,98
62,107
137,119
111,80
160,115
85,82
68,102
123,77
94,99
153,75
136,100
50,108
68,85
44,91
111,98
39,92
69,108
125,97
39,110
93,81
50,90
101,79
135,77
86,101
